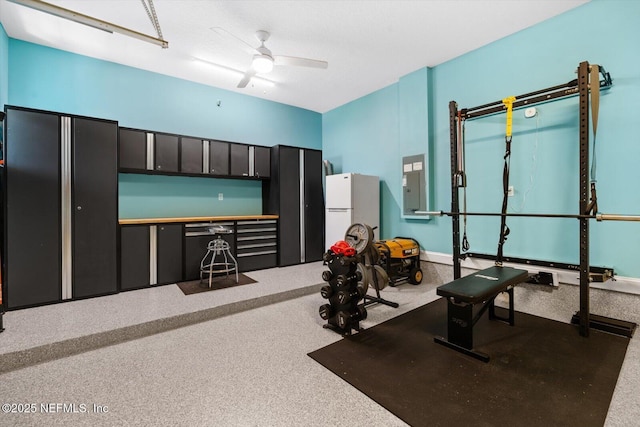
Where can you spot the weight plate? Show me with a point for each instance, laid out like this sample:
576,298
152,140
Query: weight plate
380,278
364,274
359,237
374,254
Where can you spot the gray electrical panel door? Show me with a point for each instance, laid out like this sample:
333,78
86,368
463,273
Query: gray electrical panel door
414,189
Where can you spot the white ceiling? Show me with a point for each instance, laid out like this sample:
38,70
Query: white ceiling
369,44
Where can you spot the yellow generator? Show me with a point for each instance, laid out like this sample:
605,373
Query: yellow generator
400,257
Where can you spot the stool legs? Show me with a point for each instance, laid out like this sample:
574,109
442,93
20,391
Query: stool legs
218,248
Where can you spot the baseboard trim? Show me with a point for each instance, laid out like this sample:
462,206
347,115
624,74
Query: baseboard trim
629,285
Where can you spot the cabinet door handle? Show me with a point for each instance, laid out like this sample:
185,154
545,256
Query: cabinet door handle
79,208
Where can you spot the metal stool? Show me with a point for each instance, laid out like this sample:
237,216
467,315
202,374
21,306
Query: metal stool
218,258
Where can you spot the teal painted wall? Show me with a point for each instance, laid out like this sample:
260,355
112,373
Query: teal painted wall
545,149
4,67
51,79
186,196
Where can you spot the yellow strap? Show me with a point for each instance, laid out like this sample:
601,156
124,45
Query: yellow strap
508,103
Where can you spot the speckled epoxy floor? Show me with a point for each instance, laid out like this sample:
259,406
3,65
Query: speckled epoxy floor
251,369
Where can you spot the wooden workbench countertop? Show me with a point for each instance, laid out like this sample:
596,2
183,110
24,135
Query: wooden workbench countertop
125,221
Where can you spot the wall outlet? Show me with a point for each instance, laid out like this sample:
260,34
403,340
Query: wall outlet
220,196
511,191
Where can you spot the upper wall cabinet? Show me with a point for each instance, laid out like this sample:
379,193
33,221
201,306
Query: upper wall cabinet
148,152
166,153
218,158
239,160
133,149
262,162
249,160
191,155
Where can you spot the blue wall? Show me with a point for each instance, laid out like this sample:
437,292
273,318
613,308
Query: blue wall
4,67
50,79
545,151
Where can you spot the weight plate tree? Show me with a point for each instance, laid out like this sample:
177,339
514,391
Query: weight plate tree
344,290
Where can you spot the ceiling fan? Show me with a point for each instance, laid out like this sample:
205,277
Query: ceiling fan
263,60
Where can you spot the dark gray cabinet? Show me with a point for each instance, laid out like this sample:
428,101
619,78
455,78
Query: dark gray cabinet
262,162
134,257
33,273
313,206
191,155
298,208
150,255
239,159
250,160
149,152
94,207
257,244
61,207
169,253
165,153
133,149
218,158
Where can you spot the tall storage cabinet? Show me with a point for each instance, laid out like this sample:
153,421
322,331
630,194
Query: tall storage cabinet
294,193
94,206
61,207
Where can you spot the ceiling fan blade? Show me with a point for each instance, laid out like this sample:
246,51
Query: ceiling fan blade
299,62
237,41
246,78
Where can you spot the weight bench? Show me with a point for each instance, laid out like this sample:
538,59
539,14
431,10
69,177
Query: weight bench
481,287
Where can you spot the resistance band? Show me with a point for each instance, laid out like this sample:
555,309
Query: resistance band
504,230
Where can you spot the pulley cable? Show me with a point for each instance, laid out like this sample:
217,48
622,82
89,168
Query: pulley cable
463,181
594,82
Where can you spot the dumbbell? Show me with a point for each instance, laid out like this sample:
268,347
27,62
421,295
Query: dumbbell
345,318
343,280
327,275
325,311
326,291
346,296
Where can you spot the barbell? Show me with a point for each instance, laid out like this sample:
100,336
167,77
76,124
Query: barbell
598,217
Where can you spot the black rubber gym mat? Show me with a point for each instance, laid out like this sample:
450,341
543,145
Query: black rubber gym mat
541,373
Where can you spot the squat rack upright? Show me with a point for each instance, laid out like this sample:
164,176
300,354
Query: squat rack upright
580,87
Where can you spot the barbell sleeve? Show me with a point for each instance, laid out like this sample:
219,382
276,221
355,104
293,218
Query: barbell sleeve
616,217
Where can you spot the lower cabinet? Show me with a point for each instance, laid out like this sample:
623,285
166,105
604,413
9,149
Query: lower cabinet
170,253
257,244
150,255
134,257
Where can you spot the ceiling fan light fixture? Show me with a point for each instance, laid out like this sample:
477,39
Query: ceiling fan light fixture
262,64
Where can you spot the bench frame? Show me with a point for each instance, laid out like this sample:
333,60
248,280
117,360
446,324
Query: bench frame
478,288
460,323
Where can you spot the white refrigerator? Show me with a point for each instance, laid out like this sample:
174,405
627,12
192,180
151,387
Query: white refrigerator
350,198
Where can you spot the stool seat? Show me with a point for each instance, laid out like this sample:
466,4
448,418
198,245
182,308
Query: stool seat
218,260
